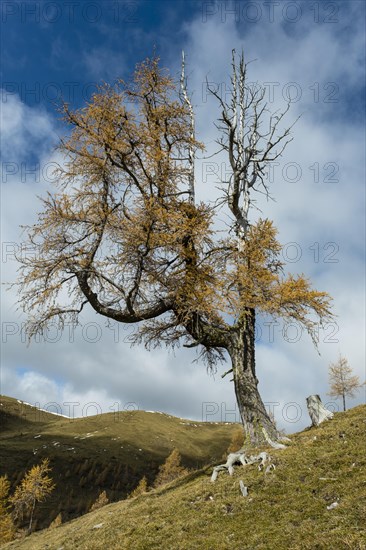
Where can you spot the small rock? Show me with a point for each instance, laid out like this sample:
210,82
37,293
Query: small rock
98,526
227,509
243,489
332,506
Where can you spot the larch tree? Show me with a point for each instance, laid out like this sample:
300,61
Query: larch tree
171,469
35,487
7,528
342,380
140,488
125,235
101,501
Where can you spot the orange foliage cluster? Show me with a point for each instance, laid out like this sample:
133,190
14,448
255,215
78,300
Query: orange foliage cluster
123,234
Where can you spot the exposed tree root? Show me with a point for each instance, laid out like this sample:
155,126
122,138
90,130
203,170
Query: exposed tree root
274,444
263,459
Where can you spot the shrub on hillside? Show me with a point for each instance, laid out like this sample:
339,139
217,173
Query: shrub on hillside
139,489
57,521
102,500
171,469
7,529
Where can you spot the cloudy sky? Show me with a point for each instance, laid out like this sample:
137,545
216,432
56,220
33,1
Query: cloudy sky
311,53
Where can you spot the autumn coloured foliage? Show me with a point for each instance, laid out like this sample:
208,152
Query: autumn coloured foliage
125,235
122,231
35,487
171,469
343,383
101,501
7,528
140,489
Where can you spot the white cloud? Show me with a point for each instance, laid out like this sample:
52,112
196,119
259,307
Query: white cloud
24,129
104,64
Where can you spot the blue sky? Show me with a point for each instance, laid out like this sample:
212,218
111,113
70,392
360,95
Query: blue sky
310,51
86,42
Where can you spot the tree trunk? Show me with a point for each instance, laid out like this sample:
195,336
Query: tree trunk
31,516
251,407
344,401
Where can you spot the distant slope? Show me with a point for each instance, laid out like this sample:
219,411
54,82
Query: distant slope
16,416
109,452
290,508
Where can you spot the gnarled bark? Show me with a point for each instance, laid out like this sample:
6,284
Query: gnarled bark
251,407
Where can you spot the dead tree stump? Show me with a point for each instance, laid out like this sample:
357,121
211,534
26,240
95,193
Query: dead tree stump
317,412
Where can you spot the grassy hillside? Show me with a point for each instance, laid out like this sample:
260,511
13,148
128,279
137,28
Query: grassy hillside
17,416
285,509
109,452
